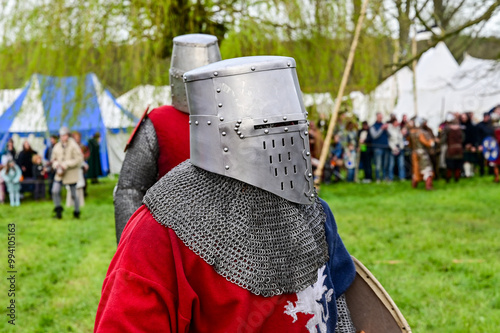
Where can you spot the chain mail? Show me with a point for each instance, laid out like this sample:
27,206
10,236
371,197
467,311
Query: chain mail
139,172
253,238
344,321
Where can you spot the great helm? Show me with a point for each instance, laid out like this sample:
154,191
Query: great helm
248,122
189,52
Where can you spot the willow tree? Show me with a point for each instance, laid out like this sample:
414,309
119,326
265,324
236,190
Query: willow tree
125,43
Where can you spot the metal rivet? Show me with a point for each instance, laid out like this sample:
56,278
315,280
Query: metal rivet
209,122
265,120
239,133
312,195
242,136
253,68
307,113
196,122
289,64
226,150
286,129
190,122
223,133
309,175
266,131
308,153
306,133
239,121
216,73
218,90
221,118
220,105
227,167
237,125
284,118
236,128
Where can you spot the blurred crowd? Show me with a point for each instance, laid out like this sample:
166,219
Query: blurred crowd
408,149
66,161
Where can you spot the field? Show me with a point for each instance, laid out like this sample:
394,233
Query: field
437,253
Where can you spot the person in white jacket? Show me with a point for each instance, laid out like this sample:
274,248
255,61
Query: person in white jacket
396,145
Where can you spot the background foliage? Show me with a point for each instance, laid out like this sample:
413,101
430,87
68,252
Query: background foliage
127,43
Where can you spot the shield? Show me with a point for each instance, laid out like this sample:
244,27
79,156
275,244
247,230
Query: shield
372,309
490,149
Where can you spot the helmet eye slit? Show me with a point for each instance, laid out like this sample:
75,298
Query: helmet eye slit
280,124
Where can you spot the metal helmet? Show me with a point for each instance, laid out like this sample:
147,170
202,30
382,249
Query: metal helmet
189,52
248,122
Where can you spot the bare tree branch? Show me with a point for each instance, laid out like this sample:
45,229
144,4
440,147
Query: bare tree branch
485,16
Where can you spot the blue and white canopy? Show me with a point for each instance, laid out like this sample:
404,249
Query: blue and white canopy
79,102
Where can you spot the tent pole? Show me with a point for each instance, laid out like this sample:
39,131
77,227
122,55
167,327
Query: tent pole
326,144
414,68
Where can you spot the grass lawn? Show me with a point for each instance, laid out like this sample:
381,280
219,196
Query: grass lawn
437,254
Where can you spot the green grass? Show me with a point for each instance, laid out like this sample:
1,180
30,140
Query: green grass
61,264
437,254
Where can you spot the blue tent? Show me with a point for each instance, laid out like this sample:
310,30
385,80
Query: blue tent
79,102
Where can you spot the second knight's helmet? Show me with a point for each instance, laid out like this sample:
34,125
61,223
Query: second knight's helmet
189,52
248,122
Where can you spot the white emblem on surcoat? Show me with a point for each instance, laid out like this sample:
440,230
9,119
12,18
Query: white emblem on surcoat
309,301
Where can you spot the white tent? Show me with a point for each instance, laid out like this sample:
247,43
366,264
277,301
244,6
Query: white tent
138,99
323,101
384,97
475,87
7,97
434,73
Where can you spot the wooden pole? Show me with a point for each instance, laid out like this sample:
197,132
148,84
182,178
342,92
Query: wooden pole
326,145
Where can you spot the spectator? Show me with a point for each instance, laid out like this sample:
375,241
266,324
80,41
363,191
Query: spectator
94,160
350,161
432,151
484,129
315,145
453,137
335,160
469,144
66,159
351,134
80,186
365,151
48,166
380,144
421,163
24,160
397,146
10,151
39,177
11,175
407,154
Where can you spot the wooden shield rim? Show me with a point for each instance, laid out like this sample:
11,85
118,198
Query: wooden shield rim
381,294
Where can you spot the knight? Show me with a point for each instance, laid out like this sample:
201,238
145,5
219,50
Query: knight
420,160
235,239
161,139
